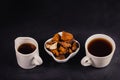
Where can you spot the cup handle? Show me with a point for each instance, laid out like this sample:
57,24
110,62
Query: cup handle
86,61
37,60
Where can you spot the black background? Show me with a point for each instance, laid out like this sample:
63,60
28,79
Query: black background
41,20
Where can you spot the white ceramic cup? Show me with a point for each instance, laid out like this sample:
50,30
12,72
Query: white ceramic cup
27,61
96,61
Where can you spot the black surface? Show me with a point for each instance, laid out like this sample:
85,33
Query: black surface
41,19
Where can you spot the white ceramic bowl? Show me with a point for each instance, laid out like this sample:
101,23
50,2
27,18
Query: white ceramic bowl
63,60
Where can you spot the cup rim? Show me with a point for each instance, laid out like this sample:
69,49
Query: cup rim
104,36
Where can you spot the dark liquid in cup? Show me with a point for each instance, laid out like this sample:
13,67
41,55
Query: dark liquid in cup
26,48
100,47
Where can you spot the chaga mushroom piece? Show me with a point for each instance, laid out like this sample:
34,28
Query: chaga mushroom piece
66,36
65,44
74,46
48,44
56,38
70,51
62,50
51,45
55,52
60,57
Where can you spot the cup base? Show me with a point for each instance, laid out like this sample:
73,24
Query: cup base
100,66
30,67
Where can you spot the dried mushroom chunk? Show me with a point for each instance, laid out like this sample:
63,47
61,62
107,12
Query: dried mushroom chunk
56,37
70,50
74,46
66,36
65,44
60,57
48,44
51,45
62,50
55,52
